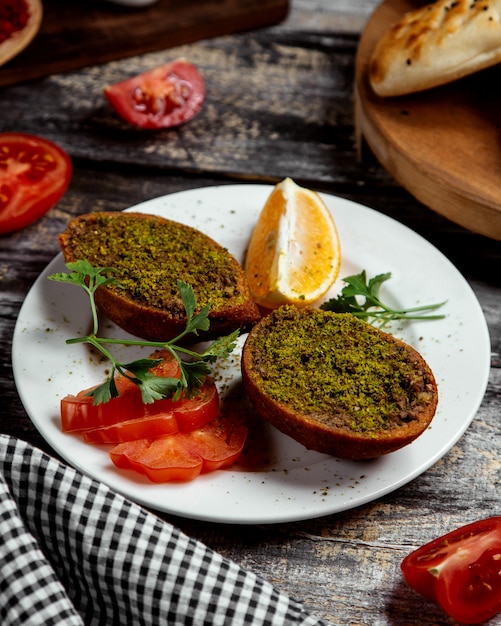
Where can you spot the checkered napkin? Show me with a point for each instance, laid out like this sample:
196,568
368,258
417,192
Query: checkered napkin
73,552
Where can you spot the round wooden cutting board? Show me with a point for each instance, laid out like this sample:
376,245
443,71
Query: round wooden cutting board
443,145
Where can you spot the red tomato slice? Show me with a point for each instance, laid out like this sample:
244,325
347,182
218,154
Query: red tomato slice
184,415
182,457
152,426
199,410
161,460
219,443
461,571
79,413
34,174
160,98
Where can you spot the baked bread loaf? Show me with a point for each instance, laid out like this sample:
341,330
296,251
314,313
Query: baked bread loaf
337,384
151,254
436,44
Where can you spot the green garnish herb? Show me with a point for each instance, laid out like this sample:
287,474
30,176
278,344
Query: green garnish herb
370,307
193,370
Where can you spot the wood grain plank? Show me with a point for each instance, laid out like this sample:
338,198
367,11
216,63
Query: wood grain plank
273,108
79,34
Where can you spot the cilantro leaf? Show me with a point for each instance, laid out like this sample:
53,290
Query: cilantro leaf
140,367
221,347
105,392
193,371
193,375
361,298
157,387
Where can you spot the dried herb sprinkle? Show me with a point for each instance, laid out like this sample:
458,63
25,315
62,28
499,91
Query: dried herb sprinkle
151,256
337,365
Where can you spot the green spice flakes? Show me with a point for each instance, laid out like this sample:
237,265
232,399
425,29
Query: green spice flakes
151,255
338,367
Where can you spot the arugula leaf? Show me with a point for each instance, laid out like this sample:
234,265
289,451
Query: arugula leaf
193,370
361,298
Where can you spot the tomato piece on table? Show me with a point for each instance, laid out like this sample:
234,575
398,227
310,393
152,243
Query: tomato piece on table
461,571
159,98
183,456
79,413
34,174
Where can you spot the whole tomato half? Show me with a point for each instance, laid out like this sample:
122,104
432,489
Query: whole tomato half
34,174
461,571
159,98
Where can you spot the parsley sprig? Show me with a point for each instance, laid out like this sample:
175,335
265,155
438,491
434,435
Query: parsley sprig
361,298
194,366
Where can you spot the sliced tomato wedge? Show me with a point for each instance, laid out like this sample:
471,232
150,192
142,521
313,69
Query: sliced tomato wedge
34,174
79,413
159,98
461,571
152,426
183,456
183,415
199,410
161,460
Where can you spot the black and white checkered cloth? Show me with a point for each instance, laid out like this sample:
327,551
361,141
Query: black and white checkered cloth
73,552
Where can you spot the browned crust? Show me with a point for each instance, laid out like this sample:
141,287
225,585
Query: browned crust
156,324
342,442
436,44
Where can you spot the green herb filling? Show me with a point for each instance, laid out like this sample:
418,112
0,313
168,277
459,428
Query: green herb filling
150,256
339,368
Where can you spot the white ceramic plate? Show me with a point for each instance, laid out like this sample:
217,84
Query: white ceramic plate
296,483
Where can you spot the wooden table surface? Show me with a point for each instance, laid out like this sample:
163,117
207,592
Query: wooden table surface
279,103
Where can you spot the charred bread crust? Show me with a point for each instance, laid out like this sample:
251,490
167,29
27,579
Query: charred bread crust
336,384
436,44
151,254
